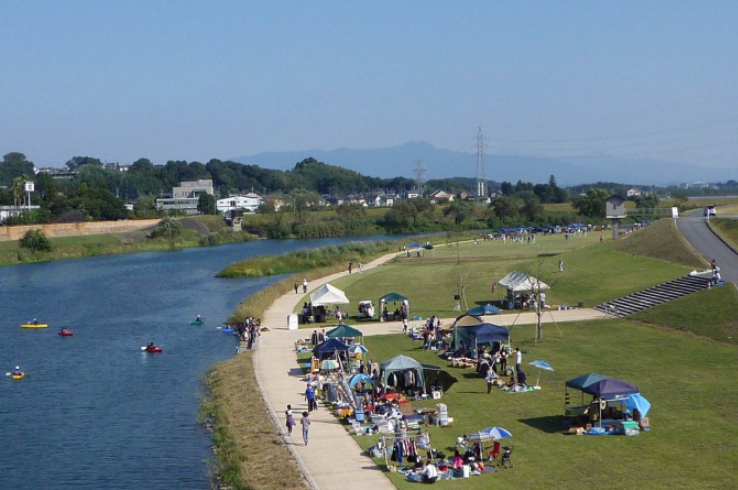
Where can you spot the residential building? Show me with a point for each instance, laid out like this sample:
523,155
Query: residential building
633,192
441,196
247,202
7,212
186,196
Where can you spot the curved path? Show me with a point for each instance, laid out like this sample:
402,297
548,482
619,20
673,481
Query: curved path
333,460
696,231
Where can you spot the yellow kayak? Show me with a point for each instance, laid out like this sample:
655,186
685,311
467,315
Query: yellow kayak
18,376
34,325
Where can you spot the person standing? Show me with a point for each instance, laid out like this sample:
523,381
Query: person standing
404,325
351,267
304,286
297,287
518,359
561,266
305,422
310,397
361,267
503,360
289,419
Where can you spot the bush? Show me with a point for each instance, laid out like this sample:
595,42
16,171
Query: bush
36,241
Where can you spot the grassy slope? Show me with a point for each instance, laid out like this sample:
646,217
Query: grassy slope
727,229
251,454
693,441
592,273
712,313
661,241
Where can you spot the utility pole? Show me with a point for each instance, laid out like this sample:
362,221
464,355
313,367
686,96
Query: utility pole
481,184
419,171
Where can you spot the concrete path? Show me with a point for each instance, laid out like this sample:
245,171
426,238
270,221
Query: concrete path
333,459
696,231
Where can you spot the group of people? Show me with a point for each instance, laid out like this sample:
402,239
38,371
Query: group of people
431,336
291,423
248,331
312,313
304,287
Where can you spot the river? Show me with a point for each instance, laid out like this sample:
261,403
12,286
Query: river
95,411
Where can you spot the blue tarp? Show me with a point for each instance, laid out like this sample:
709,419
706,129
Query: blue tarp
636,400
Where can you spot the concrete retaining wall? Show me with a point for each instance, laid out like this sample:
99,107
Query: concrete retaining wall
76,229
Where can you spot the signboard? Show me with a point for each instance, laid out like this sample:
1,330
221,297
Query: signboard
28,186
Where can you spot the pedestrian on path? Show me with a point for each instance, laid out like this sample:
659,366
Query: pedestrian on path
310,397
297,287
404,325
304,286
289,419
305,421
361,267
351,267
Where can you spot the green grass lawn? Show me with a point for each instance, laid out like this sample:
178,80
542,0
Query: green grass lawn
592,274
690,383
712,313
662,241
727,229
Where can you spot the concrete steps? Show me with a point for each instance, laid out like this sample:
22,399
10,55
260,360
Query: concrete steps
657,295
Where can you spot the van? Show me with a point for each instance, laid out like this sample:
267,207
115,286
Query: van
710,211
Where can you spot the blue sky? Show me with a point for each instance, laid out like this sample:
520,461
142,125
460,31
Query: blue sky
197,80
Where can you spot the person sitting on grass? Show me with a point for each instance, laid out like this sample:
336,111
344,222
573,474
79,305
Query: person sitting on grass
457,461
429,473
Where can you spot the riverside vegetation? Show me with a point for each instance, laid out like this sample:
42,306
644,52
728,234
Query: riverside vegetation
199,231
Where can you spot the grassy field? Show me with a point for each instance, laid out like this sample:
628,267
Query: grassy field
663,241
249,454
727,229
593,273
689,382
712,313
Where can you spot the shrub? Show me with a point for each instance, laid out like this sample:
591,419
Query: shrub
36,241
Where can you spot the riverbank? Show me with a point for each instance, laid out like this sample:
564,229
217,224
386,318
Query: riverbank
199,234
249,452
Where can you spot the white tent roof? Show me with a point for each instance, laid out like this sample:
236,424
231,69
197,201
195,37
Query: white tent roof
519,282
328,295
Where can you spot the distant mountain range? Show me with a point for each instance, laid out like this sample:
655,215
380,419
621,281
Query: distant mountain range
440,163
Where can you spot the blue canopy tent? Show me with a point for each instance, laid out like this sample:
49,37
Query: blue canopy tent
360,378
484,310
331,348
637,402
604,389
610,388
580,383
486,333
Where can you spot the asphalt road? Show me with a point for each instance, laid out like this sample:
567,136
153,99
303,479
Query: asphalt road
697,233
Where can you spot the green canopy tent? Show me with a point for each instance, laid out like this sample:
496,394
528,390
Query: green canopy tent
391,298
343,331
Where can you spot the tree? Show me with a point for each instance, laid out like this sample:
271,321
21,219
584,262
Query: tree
36,241
507,208
16,189
593,204
351,214
14,165
206,204
459,210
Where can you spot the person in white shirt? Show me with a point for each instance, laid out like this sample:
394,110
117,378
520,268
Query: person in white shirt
518,359
430,472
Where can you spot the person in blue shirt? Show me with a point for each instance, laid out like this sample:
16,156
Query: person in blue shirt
310,397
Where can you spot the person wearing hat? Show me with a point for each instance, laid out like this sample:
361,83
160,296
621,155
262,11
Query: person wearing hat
17,371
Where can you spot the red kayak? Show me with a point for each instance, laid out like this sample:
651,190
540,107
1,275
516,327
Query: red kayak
66,333
154,349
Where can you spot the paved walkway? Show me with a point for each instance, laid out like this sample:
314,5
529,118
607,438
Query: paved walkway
696,231
333,459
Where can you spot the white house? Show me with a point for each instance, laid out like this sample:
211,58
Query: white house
186,196
633,192
247,202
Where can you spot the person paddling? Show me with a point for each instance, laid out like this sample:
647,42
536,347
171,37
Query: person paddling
17,371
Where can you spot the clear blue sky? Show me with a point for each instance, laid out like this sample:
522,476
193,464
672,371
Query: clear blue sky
197,80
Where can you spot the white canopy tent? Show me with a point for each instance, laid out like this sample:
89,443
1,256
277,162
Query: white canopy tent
518,282
328,295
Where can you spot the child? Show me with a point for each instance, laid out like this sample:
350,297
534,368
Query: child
289,419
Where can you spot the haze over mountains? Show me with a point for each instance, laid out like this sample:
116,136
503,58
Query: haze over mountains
439,163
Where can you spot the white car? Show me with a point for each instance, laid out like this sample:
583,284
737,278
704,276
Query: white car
710,211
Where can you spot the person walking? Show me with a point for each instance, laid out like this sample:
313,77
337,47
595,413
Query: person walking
404,325
305,422
518,359
297,287
561,266
304,286
351,267
310,397
361,267
490,379
289,419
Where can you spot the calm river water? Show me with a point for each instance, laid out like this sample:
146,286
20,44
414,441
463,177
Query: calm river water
95,412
